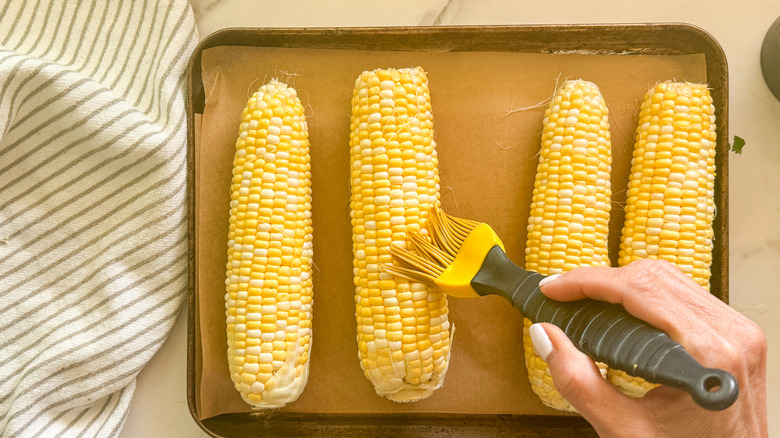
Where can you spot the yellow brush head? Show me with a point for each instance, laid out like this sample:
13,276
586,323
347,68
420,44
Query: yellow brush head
456,279
449,257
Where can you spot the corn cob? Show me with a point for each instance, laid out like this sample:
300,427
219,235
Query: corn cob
670,204
569,219
403,331
269,285
670,201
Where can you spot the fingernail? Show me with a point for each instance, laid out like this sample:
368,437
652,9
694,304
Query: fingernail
546,280
542,345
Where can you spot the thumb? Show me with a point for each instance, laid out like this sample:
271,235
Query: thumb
579,381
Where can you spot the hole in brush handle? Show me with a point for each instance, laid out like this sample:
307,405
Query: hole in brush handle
712,383
711,388
717,390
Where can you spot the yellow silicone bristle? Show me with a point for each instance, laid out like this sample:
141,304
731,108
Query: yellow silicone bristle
403,331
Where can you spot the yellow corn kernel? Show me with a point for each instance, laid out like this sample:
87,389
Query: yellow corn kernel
269,294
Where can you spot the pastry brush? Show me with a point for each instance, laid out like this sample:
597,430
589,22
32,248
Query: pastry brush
466,258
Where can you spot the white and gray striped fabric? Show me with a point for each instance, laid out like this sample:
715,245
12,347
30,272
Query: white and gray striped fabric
93,242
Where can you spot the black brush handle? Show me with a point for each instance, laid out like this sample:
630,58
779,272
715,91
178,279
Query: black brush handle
608,333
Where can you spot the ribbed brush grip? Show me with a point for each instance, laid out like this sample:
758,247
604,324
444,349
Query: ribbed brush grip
608,333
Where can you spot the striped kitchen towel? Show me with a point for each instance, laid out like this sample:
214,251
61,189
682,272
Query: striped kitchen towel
93,218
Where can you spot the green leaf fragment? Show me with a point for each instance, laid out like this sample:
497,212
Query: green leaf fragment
737,144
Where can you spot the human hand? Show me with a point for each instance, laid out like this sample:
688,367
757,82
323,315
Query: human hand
712,332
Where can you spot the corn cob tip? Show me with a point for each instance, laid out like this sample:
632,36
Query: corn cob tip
409,393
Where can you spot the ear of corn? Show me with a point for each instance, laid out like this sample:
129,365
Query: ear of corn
670,205
569,218
269,285
670,202
403,332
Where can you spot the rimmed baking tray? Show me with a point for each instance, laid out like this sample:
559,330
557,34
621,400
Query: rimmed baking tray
488,85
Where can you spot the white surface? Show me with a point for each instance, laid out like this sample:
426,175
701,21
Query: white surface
160,408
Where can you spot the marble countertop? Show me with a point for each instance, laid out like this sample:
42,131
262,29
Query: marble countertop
160,408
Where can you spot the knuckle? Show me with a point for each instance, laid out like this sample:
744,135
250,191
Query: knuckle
754,343
642,274
731,356
575,385
569,386
741,355
742,348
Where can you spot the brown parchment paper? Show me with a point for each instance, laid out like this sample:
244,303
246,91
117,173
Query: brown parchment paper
488,109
